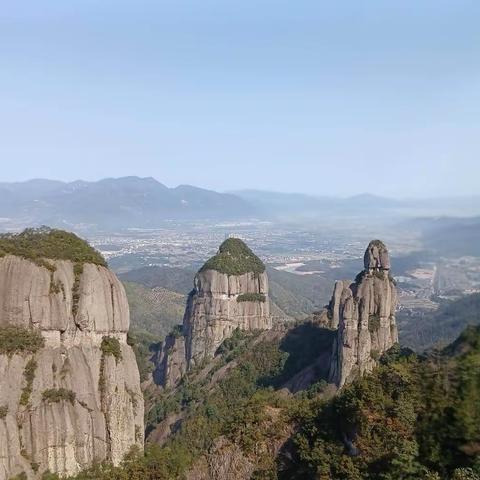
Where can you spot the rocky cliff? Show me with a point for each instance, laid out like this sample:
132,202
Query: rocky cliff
364,313
69,384
230,292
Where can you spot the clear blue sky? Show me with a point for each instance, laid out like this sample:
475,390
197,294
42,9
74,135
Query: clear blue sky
337,97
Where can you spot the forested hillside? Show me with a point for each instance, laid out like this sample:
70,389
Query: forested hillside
292,296
441,326
412,418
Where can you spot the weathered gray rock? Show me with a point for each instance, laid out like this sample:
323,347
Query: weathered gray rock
225,460
213,311
106,416
376,256
170,361
365,314
230,292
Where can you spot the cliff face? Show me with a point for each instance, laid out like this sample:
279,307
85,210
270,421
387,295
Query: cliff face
215,309
364,313
74,397
230,292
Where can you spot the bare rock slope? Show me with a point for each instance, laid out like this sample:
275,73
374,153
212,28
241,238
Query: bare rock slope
230,292
69,384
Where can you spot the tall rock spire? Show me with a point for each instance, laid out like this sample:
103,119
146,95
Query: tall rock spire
364,313
230,292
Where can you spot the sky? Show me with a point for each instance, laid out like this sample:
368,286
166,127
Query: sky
327,98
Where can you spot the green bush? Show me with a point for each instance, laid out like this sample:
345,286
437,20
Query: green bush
234,258
379,274
143,345
50,476
251,297
373,323
111,346
3,411
375,355
56,287
176,331
55,395
29,375
233,345
41,243
19,340
77,272
20,476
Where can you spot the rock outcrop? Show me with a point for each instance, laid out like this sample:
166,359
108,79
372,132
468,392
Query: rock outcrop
230,292
364,313
69,383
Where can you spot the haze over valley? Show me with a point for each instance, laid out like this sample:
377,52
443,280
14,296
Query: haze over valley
147,232
240,240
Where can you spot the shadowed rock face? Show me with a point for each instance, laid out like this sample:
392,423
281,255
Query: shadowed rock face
74,312
220,302
364,313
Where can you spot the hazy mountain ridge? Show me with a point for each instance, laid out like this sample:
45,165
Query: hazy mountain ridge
280,203
121,202
145,202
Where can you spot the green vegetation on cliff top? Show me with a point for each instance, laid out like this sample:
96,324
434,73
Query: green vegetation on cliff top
234,258
37,244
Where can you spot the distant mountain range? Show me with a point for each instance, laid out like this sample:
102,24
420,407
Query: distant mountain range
272,203
146,203
121,202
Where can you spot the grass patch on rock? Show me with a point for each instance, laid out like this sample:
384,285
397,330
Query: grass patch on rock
373,323
19,340
56,395
29,375
111,346
251,297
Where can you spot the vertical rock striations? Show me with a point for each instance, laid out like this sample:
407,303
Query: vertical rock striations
69,384
364,313
230,292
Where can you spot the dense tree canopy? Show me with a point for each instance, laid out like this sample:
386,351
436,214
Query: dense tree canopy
412,418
